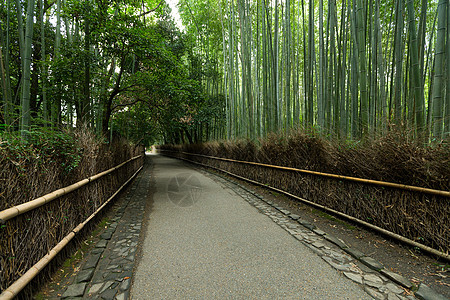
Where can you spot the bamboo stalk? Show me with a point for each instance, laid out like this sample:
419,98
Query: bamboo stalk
27,206
20,283
341,177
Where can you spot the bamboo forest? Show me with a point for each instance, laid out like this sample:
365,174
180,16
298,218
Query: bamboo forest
351,68
227,69
196,125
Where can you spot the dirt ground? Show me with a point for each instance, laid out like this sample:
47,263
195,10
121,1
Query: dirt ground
413,264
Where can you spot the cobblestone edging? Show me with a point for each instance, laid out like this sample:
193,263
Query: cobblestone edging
377,281
108,270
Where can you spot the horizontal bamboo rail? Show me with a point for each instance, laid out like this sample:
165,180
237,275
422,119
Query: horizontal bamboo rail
391,234
335,176
27,206
20,283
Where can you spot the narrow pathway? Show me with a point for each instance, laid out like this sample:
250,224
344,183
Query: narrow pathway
205,237
203,241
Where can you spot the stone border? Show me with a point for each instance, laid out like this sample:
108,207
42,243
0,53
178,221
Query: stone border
377,281
108,270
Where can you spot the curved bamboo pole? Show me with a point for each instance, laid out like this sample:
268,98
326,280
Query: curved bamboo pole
20,283
27,206
341,177
391,234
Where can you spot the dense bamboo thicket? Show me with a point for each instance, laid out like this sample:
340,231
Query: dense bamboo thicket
353,68
114,66
41,165
392,158
236,68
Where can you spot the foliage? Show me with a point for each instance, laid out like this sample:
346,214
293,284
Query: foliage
43,147
95,63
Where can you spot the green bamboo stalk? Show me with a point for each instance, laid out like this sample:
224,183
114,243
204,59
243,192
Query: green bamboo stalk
419,103
381,111
320,88
398,62
354,76
372,70
8,91
364,101
328,82
257,75
332,69
438,82
4,85
3,82
225,74
421,37
265,70
20,30
306,118
25,99
248,60
309,69
43,65
343,122
276,68
295,71
288,65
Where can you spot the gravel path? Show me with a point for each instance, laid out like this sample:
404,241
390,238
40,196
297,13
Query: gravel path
205,242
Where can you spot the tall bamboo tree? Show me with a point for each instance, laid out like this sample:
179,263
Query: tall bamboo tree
438,82
25,99
419,104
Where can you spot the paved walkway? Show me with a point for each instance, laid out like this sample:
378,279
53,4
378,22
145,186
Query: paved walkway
206,237
205,242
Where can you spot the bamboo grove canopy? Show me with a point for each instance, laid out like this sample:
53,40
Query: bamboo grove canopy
241,68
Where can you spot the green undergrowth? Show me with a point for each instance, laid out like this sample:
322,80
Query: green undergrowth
42,147
42,161
276,194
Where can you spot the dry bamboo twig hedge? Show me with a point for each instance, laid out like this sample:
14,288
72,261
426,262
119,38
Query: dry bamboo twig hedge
28,237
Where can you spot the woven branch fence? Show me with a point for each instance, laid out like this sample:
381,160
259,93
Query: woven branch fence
27,238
